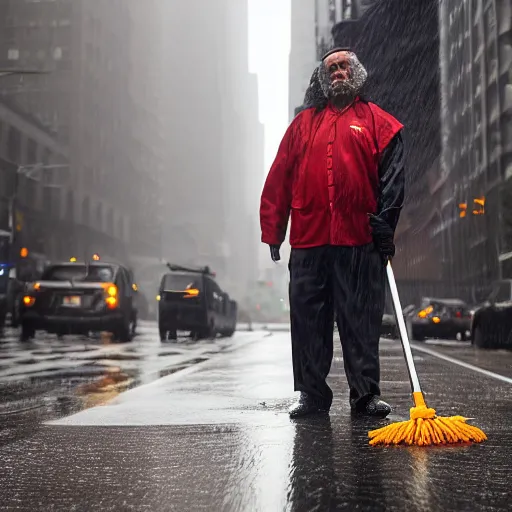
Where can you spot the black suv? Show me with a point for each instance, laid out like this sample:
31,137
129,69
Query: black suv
79,298
191,300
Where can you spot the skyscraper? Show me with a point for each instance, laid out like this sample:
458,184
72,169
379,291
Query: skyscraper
88,98
214,147
476,57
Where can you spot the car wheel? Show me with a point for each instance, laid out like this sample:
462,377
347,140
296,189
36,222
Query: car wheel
124,332
15,319
27,332
478,337
133,326
416,336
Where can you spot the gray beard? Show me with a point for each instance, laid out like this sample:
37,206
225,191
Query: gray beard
347,88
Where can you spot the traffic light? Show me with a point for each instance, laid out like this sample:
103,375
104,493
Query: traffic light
479,206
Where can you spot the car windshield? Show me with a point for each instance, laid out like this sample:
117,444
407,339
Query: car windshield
91,274
180,282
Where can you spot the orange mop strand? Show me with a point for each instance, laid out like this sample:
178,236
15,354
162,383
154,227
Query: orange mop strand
424,428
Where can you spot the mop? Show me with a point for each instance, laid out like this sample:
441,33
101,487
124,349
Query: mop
425,427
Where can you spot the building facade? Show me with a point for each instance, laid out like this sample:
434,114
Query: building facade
476,207
303,52
86,94
214,142
312,24
410,32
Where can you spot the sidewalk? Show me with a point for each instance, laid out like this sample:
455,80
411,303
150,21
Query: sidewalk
217,438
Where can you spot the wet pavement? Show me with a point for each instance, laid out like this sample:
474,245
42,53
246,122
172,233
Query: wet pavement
497,361
49,378
216,436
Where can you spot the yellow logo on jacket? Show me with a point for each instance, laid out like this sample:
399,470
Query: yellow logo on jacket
357,128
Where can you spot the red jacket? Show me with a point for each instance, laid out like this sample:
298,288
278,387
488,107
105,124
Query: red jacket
326,173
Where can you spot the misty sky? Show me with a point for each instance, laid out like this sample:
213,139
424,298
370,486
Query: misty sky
269,48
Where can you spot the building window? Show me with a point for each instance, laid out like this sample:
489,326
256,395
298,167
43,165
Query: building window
99,217
110,222
14,145
13,54
86,210
31,151
70,207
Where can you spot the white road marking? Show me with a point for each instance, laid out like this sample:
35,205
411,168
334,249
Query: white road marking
452,360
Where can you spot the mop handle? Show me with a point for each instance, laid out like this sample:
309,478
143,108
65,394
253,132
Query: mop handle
403,330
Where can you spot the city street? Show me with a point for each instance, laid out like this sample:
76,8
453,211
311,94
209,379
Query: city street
215,435
49,378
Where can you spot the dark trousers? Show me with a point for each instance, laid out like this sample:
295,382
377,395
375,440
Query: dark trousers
347,283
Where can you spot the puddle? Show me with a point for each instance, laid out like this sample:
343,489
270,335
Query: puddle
42,352
112,357
27,361
170,370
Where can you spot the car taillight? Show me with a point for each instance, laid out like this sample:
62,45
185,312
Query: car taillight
111,293
29,301
425,312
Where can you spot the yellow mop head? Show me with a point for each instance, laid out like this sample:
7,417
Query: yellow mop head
425,428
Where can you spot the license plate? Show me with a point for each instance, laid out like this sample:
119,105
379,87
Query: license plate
73,302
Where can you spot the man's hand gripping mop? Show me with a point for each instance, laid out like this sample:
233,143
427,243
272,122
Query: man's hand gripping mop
425,427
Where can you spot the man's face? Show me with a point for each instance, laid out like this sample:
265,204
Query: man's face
338,70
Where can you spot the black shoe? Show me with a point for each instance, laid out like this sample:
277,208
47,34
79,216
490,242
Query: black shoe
374,407
306,406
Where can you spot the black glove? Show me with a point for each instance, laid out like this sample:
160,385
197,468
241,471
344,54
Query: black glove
382,237
274,252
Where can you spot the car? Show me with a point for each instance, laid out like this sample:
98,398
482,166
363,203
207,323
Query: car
191,300
491,326
439,318
79,298
4,287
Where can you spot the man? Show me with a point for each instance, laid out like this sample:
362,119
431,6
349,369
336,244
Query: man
339,172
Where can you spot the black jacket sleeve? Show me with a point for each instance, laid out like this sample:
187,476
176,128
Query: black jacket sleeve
392,182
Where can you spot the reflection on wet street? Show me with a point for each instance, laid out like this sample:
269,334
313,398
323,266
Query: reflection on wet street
49,377
217,437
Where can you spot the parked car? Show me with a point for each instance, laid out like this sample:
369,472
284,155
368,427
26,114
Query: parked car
4,287
78,298
439,318
492,321
191,300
